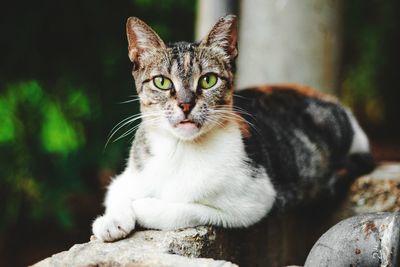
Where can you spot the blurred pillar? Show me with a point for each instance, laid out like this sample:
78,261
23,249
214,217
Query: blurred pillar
208,12
284,41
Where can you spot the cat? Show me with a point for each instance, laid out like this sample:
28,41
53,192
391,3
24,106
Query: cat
206,155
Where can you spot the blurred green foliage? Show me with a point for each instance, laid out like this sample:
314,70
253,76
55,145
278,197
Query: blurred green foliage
39,126
371,52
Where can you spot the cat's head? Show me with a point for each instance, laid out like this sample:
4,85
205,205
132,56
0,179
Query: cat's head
185,88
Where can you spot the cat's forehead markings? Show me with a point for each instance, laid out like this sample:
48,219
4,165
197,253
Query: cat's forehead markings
162,66
187,58
180,80
183,54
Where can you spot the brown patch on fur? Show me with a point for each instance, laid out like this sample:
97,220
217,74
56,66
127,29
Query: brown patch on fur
243,126
298,88
202,138
342,172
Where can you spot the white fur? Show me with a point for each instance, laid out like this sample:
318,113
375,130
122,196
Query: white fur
360,143
187,183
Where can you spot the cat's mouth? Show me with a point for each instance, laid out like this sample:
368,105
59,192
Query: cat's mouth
187,129
187,124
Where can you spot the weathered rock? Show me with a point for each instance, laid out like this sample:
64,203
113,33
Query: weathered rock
378,191
365,240
144,249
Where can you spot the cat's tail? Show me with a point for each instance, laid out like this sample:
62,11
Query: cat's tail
359,160
352,167
358,164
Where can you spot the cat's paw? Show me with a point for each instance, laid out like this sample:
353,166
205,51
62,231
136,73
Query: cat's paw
110,228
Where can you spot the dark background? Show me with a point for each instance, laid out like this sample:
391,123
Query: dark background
64,72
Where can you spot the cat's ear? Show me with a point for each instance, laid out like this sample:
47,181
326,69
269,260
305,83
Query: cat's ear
141,40
223,35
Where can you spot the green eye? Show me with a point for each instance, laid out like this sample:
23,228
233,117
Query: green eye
162,83
207,81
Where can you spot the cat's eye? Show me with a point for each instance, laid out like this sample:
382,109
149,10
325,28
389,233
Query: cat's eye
208,80
162,83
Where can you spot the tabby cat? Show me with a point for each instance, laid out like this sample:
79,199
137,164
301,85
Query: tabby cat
204,154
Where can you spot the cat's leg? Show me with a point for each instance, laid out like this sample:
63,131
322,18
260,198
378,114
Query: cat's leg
159,214
119,219
239,204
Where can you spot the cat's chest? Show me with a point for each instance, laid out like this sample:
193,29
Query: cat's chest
185,171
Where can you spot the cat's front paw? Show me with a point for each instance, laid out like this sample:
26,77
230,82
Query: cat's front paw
110,227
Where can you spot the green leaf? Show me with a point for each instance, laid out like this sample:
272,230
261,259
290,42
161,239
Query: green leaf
58,135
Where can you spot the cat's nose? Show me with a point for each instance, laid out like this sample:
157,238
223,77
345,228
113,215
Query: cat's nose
186,107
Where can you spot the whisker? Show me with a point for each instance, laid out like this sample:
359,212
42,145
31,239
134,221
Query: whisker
134,128
234,108
128,132
129,101
230,115
126,122
240,96
122,122
237,118
134,99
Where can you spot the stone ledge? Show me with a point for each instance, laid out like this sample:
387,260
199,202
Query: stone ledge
144,249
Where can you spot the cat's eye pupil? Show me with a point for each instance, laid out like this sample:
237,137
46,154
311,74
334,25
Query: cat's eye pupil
208,81
162,83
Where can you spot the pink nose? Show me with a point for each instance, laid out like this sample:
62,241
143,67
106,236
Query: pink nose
186,107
